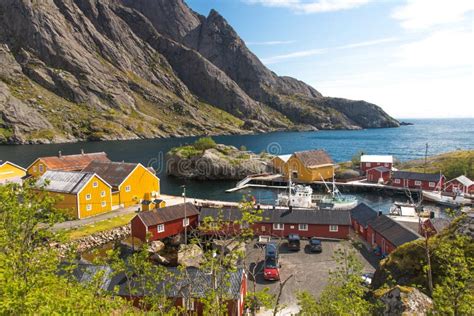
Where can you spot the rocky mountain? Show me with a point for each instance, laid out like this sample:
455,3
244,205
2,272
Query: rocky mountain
75,70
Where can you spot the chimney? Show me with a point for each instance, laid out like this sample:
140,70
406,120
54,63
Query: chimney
379,213
59,154
82,151
432,215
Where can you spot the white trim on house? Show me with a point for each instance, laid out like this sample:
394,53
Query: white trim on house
333,228
303,227
12,164
160,230
278,226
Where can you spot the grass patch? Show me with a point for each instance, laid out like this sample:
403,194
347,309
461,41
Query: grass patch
101,226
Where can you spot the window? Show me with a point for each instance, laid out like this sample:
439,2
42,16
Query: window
432,184
417,182
278,226
295,175
368,164
303,227
88,196
41,168
89,207
263,228
102,194
361,229
128,188
188,304
160,228
185,222
95,184
103,204
386,165
397,180
333,228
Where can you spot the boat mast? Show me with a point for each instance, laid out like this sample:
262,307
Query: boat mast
289,187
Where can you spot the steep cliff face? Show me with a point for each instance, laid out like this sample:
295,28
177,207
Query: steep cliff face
120,69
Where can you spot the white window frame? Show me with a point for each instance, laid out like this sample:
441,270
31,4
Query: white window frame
368,164
103,203
89,207
88,196
397,181
185,221
386,165
303,227
417,182
128,188
263,228
102,193
188,304
278,226
432,184
160,228
95,184
333,228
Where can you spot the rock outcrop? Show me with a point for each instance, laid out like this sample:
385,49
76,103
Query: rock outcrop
405,301
95,70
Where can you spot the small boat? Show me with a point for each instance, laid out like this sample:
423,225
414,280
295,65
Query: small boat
408,210
297,196
336,200
451,201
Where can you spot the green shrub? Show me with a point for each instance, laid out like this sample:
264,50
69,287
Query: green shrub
204,143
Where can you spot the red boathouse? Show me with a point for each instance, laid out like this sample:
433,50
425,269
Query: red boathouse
377,174
461,184
164,222
360,217
371,161
417,180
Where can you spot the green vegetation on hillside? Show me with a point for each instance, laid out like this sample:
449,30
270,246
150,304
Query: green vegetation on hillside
451,164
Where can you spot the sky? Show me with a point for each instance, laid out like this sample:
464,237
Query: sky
414,58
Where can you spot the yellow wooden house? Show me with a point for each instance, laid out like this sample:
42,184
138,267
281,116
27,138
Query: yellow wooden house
278,162
64,162
309,166
131,182
80,194
10,172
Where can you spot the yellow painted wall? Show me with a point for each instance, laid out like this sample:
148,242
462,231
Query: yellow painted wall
8,172
96,198
37,169
307,174
142,183
115,198
278,164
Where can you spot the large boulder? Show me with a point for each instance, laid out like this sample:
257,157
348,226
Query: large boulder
405,301
190,255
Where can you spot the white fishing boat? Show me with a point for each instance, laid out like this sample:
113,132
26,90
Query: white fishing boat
297,196
447,200
336,200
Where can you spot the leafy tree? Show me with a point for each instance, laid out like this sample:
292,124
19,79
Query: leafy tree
456,167
453,293
29,278
204,143
344,294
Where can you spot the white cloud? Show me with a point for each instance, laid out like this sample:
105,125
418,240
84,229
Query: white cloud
269,43
318,51
423,14
447,48
311,6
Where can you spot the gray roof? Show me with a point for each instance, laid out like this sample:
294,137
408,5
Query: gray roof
391,230
296,216
362,213
463,180
432,177
112,172
167,214
380,169
439,223
64,181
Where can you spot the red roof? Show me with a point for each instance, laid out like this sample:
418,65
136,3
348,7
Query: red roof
73,162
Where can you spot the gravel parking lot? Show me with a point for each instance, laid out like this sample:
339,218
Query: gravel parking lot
309,271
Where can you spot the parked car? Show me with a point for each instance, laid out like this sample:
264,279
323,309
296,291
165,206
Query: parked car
315,245
367,278
294,242
271,266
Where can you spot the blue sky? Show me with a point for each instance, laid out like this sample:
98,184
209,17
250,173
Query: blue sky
412,57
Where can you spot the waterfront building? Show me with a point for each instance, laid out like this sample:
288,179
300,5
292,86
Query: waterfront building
461,184
387,234
79,194
371,161
278,162
379,174
360,217
309,166
64,162
131,182
164,222
11,173
417,180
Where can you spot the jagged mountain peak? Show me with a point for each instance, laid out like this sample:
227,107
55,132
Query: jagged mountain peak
120,69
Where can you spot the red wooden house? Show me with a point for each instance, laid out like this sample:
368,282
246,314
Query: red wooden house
282,222
461,184
164,222
379,174
417,180
433,226
371,161
387,234
360,217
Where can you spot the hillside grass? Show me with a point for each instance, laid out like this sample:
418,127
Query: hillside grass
98,227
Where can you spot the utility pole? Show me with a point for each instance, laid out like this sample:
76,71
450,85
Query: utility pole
185,218
426,158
